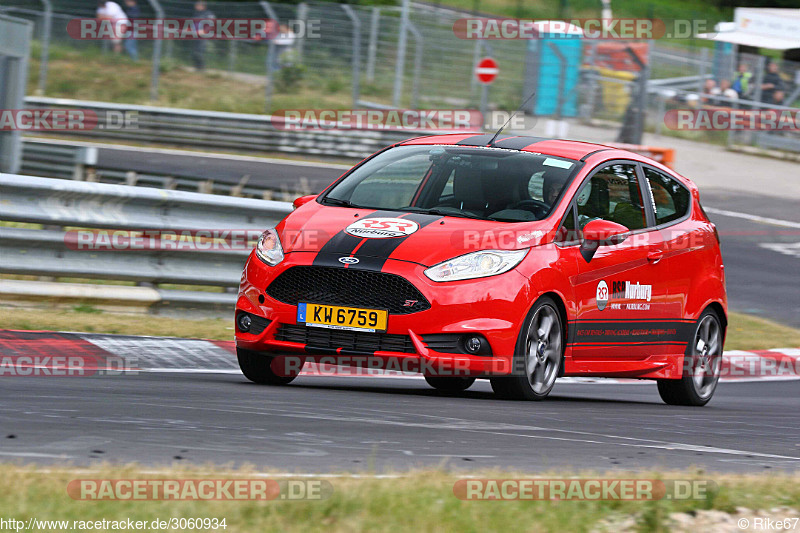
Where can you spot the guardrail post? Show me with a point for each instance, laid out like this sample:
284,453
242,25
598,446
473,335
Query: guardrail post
267,7
476,57
356,58
156,53
372,49
401,55
15,50
45,54
418,49
85,163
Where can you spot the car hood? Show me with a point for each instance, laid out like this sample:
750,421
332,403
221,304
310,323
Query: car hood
373,236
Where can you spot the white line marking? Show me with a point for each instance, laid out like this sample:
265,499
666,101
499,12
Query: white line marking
785,248
37,455
245,475
754,218
474,426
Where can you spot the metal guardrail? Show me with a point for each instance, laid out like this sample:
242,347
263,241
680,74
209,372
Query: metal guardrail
55,160
59,159
64,204
226,131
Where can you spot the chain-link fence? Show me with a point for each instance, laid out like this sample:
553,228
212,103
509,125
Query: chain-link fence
346,56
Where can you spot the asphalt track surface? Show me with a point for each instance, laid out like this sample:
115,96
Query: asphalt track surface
335,424
325,424
762,258
274,174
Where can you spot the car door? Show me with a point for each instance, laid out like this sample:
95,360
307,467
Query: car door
619,294
671,209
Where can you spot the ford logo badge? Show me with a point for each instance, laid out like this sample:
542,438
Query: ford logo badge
348,260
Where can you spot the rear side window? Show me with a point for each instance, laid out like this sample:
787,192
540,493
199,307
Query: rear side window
613,194
671,199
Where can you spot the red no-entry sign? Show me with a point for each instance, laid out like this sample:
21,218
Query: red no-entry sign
487,70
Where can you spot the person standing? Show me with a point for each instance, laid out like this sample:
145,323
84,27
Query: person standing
771,84
133,12
107,10
201,11
741,81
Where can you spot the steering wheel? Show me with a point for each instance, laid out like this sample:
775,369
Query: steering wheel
538,208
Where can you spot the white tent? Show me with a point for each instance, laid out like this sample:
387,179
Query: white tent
772,28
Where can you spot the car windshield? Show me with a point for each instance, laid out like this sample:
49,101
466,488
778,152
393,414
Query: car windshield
483,183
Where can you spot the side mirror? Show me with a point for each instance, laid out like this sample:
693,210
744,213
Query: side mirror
601,233
303,200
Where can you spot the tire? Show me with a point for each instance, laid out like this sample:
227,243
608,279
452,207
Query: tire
258,368
449,384
539,355
701,366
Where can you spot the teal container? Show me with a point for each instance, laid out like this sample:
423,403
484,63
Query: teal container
553,63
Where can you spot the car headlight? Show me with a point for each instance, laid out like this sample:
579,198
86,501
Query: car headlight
269,248
476,265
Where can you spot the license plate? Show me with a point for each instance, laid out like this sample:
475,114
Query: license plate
348,318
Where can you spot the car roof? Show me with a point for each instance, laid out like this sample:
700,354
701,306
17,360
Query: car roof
576,150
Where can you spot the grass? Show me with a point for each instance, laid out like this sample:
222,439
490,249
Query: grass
417,501
745,332
85,318
88,74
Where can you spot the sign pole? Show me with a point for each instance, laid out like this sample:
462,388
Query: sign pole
485,72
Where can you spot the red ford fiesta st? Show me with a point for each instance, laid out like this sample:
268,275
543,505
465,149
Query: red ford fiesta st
517,260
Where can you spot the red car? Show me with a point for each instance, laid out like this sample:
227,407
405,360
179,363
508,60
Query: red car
517,260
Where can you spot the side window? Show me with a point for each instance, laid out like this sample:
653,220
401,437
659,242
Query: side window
567,232
612,194
448,187
671,199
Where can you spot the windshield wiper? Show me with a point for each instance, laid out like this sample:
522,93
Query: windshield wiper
435,211
339,202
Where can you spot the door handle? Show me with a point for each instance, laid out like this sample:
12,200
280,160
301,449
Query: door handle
655,256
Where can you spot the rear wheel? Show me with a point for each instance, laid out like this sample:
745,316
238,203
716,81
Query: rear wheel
449,384
701,367
258,368
540,350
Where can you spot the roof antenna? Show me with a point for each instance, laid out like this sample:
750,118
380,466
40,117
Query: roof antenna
514,114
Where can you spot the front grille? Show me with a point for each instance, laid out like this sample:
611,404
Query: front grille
348,287
349,341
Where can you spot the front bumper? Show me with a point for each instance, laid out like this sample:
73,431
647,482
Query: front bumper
493,307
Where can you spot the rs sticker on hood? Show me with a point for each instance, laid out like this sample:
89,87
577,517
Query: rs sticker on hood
382,228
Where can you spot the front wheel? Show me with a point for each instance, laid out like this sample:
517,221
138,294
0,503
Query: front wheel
258,369
540,348
701,366
449,384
